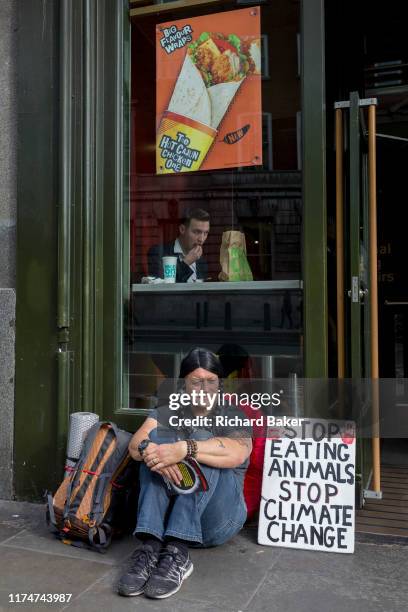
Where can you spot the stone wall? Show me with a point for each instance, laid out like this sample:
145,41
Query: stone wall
8,180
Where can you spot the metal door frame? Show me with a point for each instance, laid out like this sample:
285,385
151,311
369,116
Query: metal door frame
356,292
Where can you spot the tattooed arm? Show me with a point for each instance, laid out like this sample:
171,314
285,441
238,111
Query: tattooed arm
224,452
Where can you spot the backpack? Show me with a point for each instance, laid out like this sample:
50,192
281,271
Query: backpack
99,498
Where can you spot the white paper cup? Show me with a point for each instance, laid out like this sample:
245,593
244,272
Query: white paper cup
169,269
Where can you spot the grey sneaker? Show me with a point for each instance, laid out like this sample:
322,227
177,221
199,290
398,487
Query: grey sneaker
143,561
173,567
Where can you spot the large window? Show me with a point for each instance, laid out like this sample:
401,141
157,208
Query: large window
259,314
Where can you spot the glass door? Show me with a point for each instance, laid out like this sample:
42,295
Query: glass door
357,235
357,303
358,293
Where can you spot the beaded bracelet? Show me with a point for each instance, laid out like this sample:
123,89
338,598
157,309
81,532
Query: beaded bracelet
191,448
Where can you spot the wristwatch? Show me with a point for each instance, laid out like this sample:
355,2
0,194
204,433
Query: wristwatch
143,445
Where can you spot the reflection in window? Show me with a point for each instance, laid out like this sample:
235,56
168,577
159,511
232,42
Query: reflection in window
263,202
271,223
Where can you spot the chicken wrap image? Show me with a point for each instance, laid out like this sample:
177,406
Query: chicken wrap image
214,68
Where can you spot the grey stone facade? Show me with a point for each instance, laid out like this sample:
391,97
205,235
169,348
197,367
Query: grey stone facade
8,184
7,343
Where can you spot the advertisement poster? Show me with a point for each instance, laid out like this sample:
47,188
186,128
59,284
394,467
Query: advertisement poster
308,487
208,92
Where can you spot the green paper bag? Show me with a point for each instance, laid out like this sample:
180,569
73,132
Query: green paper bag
233,259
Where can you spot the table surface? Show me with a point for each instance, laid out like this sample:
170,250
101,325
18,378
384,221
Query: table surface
240,286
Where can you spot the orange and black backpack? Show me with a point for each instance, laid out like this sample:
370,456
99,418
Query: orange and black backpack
99,498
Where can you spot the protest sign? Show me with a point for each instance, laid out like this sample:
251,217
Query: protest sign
308,487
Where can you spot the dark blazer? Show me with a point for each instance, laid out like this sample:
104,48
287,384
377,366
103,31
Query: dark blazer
183,272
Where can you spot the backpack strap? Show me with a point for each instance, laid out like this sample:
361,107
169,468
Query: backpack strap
110,469
73,507
89,440
99,494
80,544
104,536
117,457
120,452
113,426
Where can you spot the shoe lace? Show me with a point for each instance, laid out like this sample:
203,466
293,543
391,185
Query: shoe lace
141,558
169,562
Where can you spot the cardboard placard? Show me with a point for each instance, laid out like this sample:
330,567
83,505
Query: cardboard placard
308,487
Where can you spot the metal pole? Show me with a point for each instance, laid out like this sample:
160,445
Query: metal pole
65,168
64,230
374,294
294,394
354,332
340,244
314,225
63,364
88,237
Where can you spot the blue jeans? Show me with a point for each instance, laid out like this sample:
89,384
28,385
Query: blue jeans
206,518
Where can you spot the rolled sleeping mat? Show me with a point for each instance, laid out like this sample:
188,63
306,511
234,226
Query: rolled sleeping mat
69,467
79,425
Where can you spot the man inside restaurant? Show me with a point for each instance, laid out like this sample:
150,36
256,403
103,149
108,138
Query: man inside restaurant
187,247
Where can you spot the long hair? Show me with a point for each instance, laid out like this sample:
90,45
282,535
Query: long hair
200,358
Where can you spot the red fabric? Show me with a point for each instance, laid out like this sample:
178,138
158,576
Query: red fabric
253,476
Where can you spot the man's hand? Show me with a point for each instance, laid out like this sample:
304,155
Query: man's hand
192,256
159,456
151,448
172,473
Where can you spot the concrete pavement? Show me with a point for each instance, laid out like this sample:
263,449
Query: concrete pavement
239,576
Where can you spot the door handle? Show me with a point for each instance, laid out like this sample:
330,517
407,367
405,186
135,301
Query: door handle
357,295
